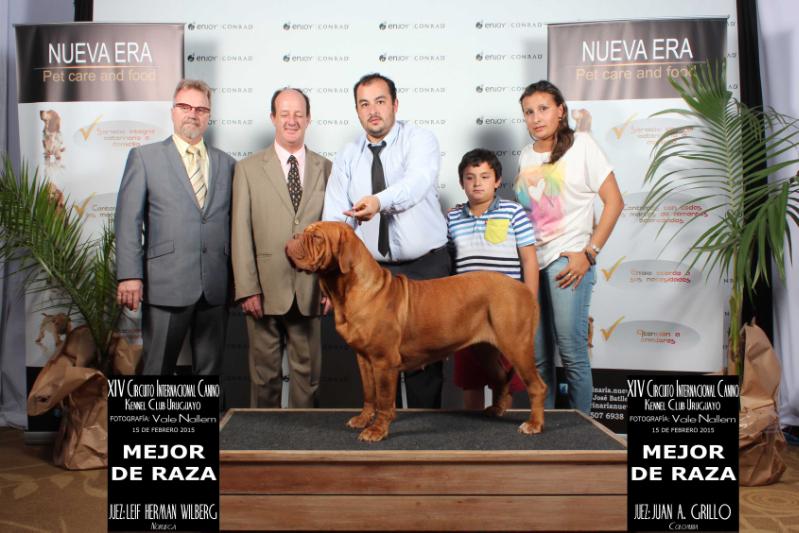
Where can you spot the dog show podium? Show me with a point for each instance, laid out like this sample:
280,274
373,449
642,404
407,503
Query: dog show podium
436,471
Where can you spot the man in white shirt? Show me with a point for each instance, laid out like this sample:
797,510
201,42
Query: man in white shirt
386,184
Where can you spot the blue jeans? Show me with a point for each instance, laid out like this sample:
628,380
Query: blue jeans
564,324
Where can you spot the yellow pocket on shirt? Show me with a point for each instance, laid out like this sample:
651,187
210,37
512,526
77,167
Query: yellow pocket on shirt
497,230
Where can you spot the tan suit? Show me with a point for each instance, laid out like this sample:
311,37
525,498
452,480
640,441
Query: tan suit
263,220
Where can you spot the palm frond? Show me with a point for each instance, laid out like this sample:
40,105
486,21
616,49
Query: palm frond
48,242
724,156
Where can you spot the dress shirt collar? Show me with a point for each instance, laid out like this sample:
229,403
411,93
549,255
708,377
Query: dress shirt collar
284,154
283,157
388,139
183,146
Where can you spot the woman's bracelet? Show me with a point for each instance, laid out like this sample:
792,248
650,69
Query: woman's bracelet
591,258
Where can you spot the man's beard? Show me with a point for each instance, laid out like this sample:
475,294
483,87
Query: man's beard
190,130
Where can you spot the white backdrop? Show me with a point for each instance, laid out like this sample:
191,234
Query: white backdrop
460,68
779,69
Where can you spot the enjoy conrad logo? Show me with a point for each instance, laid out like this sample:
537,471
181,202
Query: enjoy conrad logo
388,26
421,58
326,26
515,25
192,26
228,58
297,58
524,56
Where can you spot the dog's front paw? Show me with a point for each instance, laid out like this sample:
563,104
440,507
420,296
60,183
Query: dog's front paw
373,433
360,421
529,428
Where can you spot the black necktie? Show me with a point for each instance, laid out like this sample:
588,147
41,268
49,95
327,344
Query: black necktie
379,184
295,188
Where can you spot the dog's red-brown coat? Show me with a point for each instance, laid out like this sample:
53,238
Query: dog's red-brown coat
396,324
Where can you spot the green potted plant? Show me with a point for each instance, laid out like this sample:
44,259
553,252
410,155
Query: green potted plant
44,234
46,238
725,158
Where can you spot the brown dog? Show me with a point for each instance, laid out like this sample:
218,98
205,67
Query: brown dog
52,142
396,324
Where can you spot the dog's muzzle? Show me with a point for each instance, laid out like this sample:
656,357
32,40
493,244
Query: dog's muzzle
296,252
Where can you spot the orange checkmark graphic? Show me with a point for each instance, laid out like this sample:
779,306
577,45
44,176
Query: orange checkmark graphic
619,130
606,333
609,273
88,131
82,207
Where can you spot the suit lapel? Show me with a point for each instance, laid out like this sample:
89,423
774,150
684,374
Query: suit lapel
274,175
178,170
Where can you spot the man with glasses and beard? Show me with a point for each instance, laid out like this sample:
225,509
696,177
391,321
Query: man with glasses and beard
176,193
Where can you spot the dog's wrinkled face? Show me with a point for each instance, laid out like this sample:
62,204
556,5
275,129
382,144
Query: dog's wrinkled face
317,248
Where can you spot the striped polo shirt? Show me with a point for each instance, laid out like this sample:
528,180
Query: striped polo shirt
490,241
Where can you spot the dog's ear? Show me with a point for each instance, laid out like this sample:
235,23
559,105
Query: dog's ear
344,253
55,124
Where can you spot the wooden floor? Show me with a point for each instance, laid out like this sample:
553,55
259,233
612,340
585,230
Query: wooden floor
424,490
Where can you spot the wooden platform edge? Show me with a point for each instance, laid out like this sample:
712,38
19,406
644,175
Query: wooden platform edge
426,456
424,513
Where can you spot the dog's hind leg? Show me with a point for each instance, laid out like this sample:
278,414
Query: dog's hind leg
368,383
385,380
522,357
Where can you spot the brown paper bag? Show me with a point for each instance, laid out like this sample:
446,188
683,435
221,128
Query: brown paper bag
760,439
55,382
82,439
126,357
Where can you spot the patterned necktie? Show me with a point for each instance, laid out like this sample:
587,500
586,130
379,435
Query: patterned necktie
295,188
379,184
196,172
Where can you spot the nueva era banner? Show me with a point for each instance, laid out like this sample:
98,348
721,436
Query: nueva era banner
88,93
649,311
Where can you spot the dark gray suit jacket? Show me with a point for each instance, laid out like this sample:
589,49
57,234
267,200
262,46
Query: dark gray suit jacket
186,250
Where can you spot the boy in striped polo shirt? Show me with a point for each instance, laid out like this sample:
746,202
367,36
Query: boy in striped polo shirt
488,233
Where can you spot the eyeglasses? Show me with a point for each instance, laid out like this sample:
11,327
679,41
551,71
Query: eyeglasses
186,108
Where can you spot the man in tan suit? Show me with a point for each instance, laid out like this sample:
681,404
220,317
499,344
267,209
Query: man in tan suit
277,192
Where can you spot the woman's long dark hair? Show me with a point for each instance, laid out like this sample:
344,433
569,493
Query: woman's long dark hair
564,137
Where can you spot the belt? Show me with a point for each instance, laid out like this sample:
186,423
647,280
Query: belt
400,263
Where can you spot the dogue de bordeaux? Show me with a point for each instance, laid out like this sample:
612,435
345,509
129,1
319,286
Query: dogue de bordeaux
396,324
